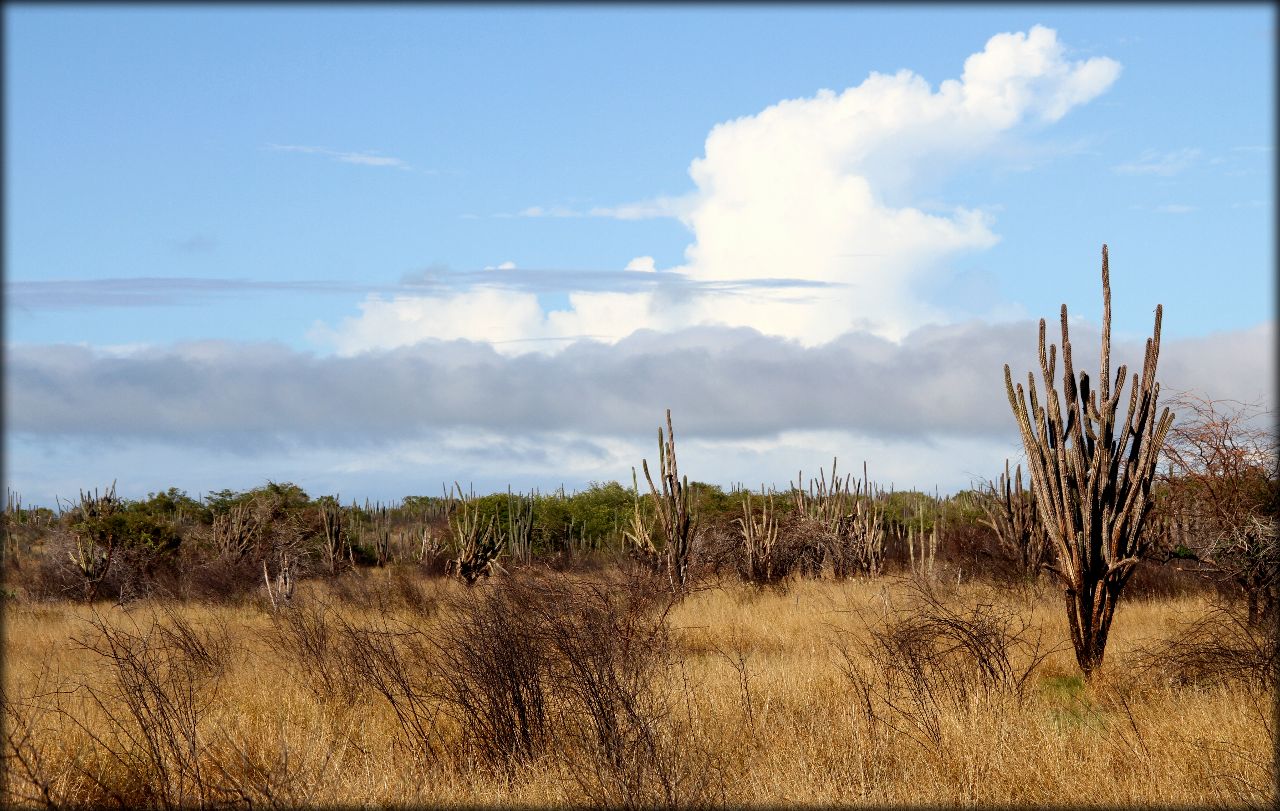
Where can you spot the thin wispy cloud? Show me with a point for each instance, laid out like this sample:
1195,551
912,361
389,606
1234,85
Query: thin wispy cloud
1161,164
1175,208
154,291
167,291
357,158
656,208
196,243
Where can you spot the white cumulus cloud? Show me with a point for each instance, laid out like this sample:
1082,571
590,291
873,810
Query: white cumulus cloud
818,188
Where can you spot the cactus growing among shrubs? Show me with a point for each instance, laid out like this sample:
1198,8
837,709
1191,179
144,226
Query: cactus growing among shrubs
674,507
1010,512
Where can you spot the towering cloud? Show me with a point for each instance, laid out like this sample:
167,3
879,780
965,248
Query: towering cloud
818,188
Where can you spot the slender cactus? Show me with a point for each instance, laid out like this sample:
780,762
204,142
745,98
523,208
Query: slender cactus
850,516
1091,474
375,531
519,526
674,508
236,531
922,547
96,539
639,530
861,532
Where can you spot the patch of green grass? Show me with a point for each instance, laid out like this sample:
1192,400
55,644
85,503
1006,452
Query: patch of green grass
1062,687
1070,707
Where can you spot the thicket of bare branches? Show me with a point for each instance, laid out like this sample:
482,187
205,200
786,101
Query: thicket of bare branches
931,658
1224,492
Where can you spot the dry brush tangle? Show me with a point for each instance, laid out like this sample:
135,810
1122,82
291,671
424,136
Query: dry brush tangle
1223,496
1092,474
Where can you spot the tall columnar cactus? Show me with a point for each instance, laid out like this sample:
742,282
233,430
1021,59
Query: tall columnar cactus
674,508
1091,474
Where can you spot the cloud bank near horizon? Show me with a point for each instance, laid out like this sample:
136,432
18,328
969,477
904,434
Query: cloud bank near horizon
724,383
929,411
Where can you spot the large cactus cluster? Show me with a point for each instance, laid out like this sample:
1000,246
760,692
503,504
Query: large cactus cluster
850,516
1010,511
1091,473
479,543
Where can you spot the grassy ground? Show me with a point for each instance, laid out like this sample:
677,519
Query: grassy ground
759,697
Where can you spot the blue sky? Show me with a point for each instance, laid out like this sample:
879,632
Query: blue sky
191,190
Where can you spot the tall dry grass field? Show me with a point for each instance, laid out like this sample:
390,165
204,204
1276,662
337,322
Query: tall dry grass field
551,689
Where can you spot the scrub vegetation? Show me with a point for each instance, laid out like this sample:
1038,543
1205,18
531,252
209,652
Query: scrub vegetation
830,643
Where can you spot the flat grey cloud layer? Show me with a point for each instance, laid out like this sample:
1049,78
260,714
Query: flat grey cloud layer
164,291
722,383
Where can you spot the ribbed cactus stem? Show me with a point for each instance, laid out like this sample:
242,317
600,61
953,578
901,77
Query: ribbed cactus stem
1091,474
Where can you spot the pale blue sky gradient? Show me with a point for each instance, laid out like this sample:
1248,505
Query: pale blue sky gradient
275,165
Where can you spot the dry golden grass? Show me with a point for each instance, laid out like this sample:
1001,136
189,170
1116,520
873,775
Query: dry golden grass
763,712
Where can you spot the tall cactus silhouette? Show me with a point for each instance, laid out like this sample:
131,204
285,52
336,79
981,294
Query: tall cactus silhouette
1091,474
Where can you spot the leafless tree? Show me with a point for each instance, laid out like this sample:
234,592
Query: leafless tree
1224,489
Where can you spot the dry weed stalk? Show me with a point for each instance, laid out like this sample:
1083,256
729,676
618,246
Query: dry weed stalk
1092,485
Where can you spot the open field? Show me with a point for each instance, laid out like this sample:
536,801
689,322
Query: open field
544,688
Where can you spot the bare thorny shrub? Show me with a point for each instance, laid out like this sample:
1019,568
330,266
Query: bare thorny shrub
546,657
1218,647
344,661
931,659
147,728
149,741
27,773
